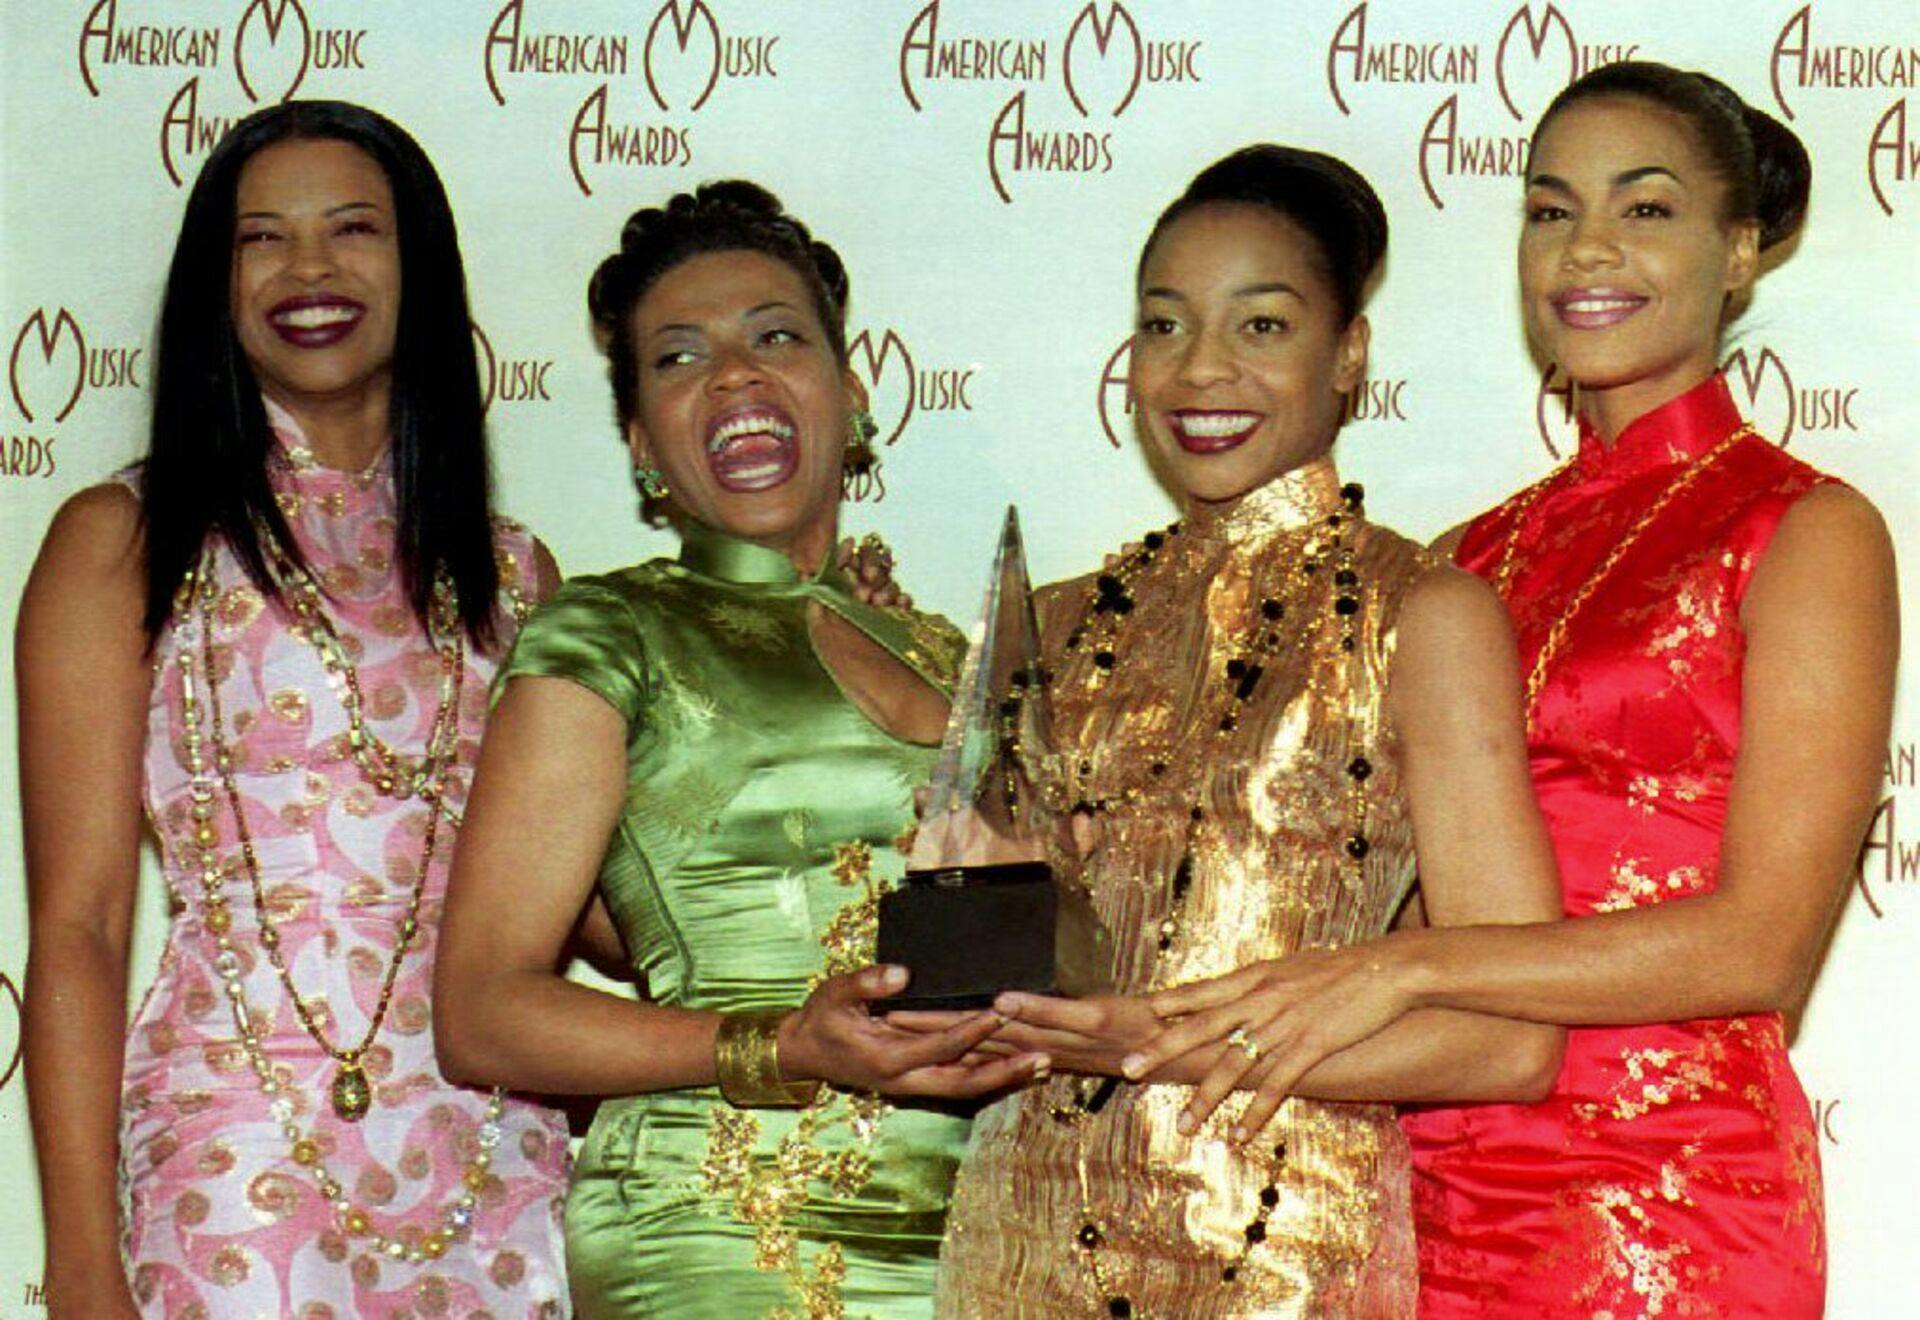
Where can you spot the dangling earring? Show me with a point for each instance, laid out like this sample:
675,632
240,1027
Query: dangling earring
858,458
651,481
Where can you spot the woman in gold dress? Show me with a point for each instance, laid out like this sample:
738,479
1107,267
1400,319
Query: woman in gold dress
1258,711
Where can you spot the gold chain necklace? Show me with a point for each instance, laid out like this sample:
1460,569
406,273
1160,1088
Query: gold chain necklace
414,1243
390,773
350,1094
1559,630
1101,626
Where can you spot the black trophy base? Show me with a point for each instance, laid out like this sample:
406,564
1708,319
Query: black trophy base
965,933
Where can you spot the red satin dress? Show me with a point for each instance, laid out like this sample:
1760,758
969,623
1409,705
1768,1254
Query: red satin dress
1673,1171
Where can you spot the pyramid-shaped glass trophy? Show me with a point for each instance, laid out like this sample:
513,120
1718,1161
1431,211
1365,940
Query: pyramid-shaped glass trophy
983,908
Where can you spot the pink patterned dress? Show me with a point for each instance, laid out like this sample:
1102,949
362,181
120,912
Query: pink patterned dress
223,1181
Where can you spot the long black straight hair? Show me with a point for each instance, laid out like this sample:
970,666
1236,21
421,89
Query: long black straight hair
205,472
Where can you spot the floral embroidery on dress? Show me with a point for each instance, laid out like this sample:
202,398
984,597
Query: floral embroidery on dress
935,645
766,1191
744,624
1683,1152
1633,887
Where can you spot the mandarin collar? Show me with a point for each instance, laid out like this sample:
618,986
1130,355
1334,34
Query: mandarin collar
725,558
1678,431
1298,498
298,459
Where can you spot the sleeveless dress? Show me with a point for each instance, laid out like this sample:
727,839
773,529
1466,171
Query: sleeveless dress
222,1218
1673,1170
758,830
1069,1206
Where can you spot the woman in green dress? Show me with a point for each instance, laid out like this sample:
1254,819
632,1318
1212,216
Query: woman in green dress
726,745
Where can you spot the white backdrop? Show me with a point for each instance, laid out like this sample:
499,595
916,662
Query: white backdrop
988,171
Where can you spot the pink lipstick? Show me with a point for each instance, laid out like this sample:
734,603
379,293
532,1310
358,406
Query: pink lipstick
1595,309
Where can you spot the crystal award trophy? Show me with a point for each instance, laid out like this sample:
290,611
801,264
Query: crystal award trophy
981,909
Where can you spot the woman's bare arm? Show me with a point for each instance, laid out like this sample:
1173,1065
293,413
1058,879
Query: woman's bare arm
547,795
1821,618
1331,1024
1821,625
83,685
595,938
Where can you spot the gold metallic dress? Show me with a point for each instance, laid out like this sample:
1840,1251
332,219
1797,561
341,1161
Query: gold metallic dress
1286,829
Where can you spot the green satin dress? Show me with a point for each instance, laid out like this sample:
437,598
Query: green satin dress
760,815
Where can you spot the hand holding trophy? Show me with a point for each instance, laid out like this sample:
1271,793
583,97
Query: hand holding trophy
982,910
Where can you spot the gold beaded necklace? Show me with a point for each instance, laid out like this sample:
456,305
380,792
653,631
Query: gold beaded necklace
1108,607
350,1097
387,771
350,1094
1559,630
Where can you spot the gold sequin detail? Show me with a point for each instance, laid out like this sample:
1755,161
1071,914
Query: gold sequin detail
1633,887
934,646
1657,1077
851,937
852,862
1809,1207
229,1267
1630,1254
1268,873
273,1196
745,624
767,1191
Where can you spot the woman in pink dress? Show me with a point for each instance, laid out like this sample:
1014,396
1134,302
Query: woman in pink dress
1709,631
273,639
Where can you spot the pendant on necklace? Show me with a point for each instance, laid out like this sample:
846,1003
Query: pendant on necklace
351,1095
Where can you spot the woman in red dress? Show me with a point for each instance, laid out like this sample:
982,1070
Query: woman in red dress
1709,631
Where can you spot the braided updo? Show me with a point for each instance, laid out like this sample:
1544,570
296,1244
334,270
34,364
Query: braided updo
730,215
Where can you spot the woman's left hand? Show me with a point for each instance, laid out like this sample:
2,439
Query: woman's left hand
1089,1035
1278,1019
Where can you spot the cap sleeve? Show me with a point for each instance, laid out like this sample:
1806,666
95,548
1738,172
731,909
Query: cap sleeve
586,634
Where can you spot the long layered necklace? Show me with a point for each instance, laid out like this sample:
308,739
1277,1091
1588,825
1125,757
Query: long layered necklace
1560,629
1287,620
390,774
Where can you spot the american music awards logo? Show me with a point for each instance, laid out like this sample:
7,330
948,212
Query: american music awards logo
10,1038
1803,63
1075,72
1469,133
1888,874
901,388
646,82
1762,384
51,367
272,47
510,380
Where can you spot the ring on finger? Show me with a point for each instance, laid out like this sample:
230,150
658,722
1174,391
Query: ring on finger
1247,1045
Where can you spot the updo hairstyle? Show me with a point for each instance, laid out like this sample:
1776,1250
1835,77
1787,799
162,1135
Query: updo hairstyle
1326,197
731,215
1760,160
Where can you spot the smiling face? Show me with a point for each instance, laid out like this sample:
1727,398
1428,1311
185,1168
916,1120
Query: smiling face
1239,358
316,272
1626,261
741,402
